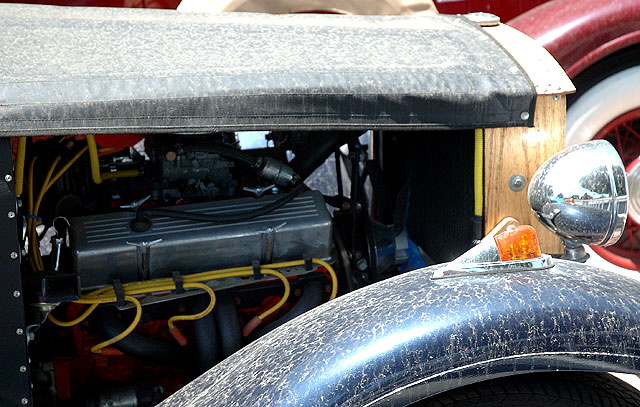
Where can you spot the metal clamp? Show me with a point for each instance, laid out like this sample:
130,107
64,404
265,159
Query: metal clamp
257,275
143,251
268,237
177,282
119,290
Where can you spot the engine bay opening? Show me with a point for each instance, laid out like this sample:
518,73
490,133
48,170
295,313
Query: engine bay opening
147,259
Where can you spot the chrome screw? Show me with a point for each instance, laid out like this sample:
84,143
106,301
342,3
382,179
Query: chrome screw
24,401
14,255
8,178
19,331
23,369
16,294
524,115
11,215
517,182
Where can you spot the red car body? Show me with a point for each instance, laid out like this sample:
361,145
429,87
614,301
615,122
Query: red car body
581,33
505,9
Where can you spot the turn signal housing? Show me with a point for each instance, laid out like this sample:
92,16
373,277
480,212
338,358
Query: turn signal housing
518,243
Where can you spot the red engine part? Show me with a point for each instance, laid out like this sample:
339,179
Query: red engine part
80,375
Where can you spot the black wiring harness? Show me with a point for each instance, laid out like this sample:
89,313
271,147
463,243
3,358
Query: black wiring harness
144,214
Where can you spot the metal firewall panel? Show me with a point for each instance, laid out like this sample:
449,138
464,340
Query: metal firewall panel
15,389
105,248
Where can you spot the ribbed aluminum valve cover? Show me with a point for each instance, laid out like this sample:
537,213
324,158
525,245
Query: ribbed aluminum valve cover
105,248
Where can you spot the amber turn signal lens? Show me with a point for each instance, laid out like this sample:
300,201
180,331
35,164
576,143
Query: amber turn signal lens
518,243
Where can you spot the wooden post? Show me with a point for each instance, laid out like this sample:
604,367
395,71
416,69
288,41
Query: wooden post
521,150
515,151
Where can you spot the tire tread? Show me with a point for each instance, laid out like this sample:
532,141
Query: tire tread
544,390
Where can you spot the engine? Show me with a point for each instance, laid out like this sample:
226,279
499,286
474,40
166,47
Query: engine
149,260
105,247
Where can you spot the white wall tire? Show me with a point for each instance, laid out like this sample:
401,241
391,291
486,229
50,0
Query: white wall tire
603,103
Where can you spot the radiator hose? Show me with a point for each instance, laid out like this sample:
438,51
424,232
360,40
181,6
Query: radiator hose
228,325
206,341
138,346
312,296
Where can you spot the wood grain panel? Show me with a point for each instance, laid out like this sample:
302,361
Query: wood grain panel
521,150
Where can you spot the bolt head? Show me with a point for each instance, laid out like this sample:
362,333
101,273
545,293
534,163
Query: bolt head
19,331
23,369
14,255
517,182
524,115
170,156
8,178
11,215
24,401
16,294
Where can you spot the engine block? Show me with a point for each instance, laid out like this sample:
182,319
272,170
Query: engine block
105,248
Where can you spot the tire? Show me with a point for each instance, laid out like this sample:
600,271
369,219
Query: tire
610,110
543,390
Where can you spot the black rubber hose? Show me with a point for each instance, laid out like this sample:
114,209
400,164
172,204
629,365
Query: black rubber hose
312,296
138,346
317,152
229,152
338,163
237,217
228,324
206,342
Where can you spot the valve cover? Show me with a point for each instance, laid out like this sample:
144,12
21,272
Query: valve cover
105,248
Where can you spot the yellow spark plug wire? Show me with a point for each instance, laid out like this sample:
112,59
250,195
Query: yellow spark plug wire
20,158
136,320
34,204
107,295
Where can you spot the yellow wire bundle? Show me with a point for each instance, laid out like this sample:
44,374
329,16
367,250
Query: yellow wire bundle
107,295
34,205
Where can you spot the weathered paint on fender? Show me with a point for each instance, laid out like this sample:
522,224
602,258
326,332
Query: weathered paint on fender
410,337
579,33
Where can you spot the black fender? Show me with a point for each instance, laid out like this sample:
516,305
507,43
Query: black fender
410,337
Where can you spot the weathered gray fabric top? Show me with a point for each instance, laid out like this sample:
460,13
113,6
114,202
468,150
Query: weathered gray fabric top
67,70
